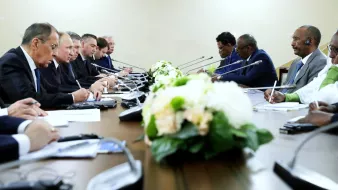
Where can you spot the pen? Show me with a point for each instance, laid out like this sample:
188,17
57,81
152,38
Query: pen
78,84
317,104
273,89
73,146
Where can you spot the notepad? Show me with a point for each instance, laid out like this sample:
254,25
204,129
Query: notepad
87,151
86,115
284,106
55,121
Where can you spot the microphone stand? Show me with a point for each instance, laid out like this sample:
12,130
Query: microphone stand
190,61
196,63
252,64
129,65
203,65
301,178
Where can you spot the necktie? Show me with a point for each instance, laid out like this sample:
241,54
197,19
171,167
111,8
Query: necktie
244,69
70,70
331,77
37,75
293,75
110,64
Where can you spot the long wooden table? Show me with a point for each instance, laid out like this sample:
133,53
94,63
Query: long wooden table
320,154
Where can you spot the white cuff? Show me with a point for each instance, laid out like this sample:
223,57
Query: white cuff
24,143
3,112
22,127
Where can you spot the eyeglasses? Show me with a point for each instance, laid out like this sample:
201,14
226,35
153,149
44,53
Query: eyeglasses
333,49
53,47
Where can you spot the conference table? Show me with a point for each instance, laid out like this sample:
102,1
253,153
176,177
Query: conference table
229,171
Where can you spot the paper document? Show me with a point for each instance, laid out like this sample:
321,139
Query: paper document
284,106
294,120
86,115
55,121
128,96
53,150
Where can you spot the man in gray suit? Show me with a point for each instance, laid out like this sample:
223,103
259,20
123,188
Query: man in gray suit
311,60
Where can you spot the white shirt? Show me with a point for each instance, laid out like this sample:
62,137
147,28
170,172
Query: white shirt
311,91
31,65
304,62
55,63
22,139
3,112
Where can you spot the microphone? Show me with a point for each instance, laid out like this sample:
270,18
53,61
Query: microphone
196,63
298,177
234,63
190,61
203,66
129,64
104,68
252,64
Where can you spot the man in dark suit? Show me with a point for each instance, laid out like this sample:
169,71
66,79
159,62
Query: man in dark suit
106,61
304,69
226,44
260,75
56,75
19,74
82,66
19,136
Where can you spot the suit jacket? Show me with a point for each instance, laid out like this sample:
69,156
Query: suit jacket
233,57
16,82
308,72
84,70
56,83
9,147
68,79
260,75
107,63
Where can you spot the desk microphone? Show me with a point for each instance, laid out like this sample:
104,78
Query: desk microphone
129,64
134,113
234,63
298,177
190,61
252,64
204,65
196,63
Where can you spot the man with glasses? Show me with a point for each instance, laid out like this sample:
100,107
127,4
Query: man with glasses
226,44
305,42
322,88
260,75
19,74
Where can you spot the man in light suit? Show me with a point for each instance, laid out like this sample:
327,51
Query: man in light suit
303,70
323,88
19,136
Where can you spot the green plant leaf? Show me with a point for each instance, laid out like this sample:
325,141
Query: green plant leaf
188,130
139,138
181,81
177,103
151,129
196,147
165,146
264,136
252,139
238,133
220,135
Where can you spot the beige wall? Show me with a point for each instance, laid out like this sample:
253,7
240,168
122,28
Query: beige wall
177,30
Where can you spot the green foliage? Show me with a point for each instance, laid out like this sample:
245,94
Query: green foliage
177,103
220,138
181,81
151,129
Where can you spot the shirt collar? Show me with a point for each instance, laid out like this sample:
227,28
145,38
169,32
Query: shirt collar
306,58
82,57
55,63
29,59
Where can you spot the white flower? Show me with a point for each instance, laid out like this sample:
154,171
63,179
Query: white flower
229,98
200,117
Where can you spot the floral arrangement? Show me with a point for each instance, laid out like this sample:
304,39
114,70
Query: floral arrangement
163,72
193,115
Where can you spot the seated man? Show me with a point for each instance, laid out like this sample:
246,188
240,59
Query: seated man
105,61
19,74
19,136
55,74
226,43
27,109
303,70
260,75
322,88
82,66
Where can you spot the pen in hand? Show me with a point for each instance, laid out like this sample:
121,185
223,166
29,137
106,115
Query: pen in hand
272,91
78,84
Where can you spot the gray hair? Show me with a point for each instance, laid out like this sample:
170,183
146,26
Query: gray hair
313,32
249,40
41,31
74,36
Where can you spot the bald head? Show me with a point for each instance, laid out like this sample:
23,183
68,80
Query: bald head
65,51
